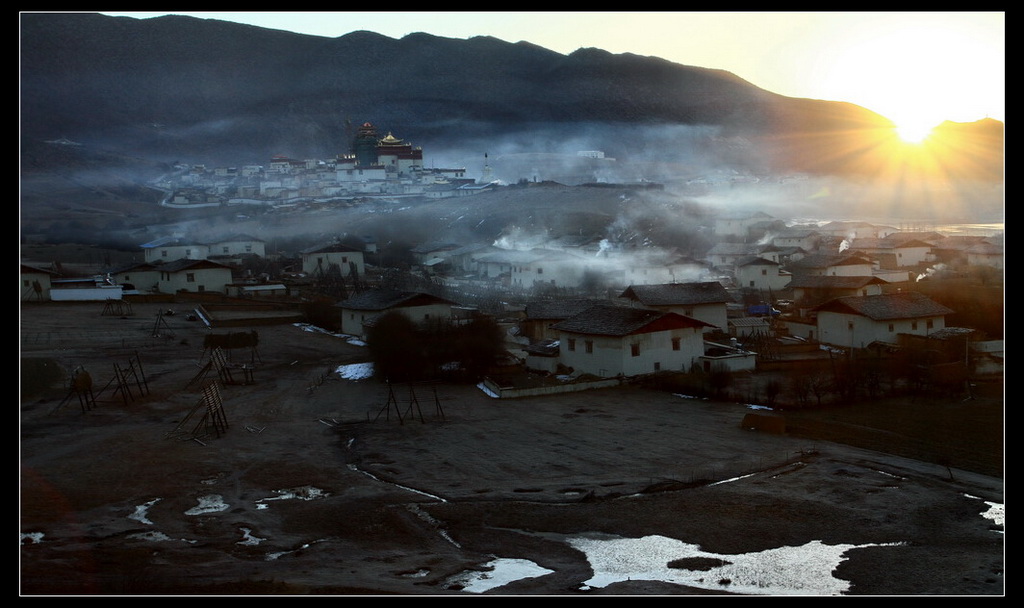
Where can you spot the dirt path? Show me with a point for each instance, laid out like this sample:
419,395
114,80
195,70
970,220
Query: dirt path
316,487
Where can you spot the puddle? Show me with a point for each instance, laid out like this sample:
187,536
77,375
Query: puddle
211,503
500,571
140,512
803,570
248,539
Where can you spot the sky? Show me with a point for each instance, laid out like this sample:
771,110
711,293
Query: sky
915,68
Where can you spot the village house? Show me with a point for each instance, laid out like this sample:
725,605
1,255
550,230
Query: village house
894,253
985,254
35,283
609,341
781,255
359,312
855,230
319,259
740,225
429,254
804,239
540,315
862,321
237,245
705,301
725,255
169,249
463,259
832,264
497,262
655,267
196,276
142,276
760,274
812,290
550,268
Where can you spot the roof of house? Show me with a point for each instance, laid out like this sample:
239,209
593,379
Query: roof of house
826,260
233,238
434,246
887,243
172,241
735,249
333,247
384,299
29,269
750,322
136,267
559,309
833,282
186,264
755,260
885,307
678,294
609,320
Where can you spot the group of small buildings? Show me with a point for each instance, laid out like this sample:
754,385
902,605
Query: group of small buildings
659,310
374,166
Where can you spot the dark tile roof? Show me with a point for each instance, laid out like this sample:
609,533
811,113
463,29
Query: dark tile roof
334,247
754,260
610,320
825,260
885,307
832,282
186,264
559,309
678,294
384,299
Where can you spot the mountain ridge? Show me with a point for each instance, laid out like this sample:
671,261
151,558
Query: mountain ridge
178,88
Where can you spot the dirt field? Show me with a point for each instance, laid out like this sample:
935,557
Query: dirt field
322,485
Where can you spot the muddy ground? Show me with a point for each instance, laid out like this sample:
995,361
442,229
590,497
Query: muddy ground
322,485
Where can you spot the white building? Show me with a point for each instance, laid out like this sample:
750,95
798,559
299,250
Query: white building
169,249
362,310
197,276
859,321
609,341
319,259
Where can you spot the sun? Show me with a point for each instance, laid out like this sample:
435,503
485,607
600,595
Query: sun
914,131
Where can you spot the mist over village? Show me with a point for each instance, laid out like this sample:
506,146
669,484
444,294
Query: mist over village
482,345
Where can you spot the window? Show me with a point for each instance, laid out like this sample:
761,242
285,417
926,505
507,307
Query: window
248,248
657,366
913,325
572,344
634,349
764,272
589,344
890,328
540,271
930,324
190,277
849,326
675,343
